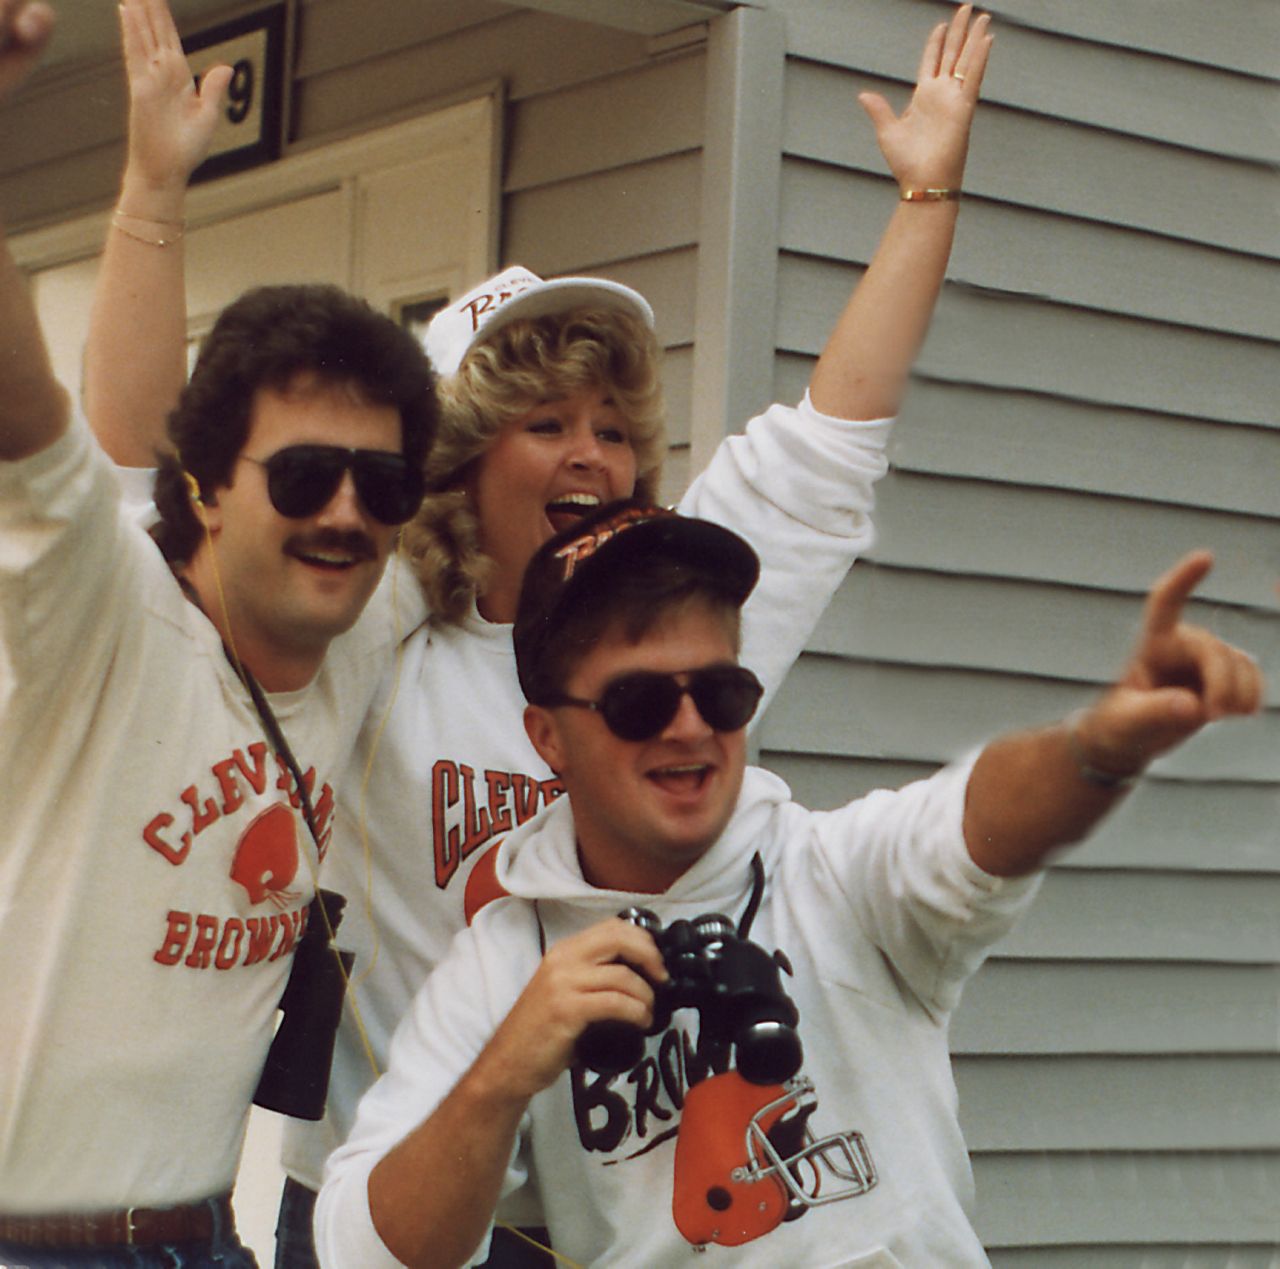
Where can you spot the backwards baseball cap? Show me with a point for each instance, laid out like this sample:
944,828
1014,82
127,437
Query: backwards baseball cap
598,553
516,292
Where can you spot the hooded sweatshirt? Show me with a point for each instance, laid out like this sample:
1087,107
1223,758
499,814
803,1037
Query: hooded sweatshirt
881,915
443,766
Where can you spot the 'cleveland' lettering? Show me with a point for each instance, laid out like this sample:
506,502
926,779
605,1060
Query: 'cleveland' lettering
171,833
469,809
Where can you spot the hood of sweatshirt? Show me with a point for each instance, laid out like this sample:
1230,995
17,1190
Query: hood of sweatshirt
540,859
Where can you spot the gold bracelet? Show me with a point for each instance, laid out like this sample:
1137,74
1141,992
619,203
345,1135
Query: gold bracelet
154,233
930,195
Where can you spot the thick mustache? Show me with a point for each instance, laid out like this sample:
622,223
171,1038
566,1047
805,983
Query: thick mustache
352,542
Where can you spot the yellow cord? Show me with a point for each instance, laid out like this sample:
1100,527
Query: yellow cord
533,1242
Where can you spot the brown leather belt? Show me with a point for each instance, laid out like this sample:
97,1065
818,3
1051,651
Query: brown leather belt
130,1227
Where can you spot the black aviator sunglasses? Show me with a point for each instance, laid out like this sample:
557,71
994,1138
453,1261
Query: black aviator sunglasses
638,706
301,479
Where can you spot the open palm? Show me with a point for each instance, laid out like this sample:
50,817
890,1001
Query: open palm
926,145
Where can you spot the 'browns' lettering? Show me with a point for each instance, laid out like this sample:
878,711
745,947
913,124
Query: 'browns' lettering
203,941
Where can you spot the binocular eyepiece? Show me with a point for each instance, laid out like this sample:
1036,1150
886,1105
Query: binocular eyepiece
735,985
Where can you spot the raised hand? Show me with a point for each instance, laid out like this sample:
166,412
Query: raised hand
25,29
171,121
1179,678
926,145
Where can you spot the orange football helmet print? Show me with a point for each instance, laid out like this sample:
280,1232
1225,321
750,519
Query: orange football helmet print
266,860
746,1160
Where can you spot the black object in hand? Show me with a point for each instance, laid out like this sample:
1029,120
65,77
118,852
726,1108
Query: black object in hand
735,985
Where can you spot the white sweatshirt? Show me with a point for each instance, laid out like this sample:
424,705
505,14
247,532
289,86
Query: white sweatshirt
450,768
882,914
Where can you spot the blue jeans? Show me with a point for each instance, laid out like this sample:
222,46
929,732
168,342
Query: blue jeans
223,1251
296,1249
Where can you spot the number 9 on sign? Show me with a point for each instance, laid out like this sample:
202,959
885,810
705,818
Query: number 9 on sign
250,128
240,93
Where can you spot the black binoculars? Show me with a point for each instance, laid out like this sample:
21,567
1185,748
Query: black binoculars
735,985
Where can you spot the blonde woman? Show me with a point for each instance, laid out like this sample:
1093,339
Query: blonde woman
551,405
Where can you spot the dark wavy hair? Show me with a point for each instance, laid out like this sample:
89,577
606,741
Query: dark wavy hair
266,339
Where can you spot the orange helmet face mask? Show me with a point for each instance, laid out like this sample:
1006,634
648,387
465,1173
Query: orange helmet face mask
746,1160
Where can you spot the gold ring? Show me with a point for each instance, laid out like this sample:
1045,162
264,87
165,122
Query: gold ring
957,75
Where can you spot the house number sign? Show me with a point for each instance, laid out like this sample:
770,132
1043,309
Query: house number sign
251,129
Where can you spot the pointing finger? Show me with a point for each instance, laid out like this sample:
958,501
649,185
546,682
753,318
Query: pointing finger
1169,595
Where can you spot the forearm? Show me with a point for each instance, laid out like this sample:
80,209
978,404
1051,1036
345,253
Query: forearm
432,1197
135,362
862,372
135,358
33,406
1029,793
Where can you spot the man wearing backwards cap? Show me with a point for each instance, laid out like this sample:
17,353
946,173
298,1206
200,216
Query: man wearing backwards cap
795,1099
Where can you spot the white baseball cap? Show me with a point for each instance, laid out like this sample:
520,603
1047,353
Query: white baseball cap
516,292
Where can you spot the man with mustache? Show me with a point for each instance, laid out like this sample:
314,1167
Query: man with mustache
170,724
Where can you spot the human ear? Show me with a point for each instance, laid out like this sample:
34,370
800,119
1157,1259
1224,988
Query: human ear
205,509
544,735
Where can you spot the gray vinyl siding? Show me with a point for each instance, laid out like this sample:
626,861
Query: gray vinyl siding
601,168
604,178
1097,394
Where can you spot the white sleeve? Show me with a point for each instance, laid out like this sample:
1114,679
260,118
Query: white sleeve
398,606
899,861
450,1021
798,485
138,493
72,575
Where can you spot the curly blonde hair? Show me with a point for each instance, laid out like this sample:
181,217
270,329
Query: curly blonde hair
530,360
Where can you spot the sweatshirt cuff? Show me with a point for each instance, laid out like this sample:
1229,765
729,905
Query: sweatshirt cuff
806,409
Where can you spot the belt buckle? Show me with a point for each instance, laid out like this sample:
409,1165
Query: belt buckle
129,1229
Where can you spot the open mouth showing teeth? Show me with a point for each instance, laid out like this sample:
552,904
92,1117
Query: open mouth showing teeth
684,779
326,561
569,508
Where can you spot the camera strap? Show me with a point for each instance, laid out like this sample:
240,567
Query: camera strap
271,725
757,893
745,922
